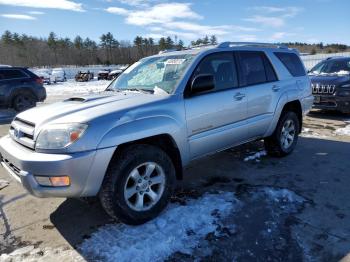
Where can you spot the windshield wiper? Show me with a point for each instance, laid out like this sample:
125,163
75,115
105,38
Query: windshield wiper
142,90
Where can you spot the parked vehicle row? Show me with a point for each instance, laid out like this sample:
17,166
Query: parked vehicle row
108,74
128,145
51,76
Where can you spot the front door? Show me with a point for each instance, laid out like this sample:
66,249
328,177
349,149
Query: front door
216,118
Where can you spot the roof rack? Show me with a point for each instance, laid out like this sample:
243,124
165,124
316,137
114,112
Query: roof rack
332,57
168,50
231,44
201,45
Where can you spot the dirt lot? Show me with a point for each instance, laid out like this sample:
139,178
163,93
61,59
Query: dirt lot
309,222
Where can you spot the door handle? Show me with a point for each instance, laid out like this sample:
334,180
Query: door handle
239,96
276,88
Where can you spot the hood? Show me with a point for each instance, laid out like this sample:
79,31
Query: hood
330,79
83,109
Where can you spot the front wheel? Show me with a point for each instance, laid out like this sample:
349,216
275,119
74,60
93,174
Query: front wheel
284,139
138,184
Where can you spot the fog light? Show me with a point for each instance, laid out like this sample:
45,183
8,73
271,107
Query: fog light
54,181
60,180
43,180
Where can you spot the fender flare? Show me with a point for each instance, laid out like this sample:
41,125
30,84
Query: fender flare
283,100
144,128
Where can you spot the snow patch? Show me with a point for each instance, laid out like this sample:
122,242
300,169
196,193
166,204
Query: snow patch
179,228
73,87
32,254
343,131
307,132
256,156
282,195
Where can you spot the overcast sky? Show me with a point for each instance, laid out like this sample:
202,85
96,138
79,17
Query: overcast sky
237,20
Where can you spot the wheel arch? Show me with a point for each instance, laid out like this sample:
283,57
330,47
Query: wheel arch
283,106
18,91
294,106
165,142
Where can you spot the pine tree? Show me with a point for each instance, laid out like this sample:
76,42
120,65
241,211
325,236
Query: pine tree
162,43
213,40
205,40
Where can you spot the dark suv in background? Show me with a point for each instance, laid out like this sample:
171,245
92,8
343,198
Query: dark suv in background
331,84
20,88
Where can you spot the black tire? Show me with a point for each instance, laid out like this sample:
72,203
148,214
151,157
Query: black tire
117,176
273,144
23,101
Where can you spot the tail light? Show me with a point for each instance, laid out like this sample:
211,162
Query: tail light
39,80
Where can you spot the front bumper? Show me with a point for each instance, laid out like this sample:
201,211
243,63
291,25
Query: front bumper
332,102
85,169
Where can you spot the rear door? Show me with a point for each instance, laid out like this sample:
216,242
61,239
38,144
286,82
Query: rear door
216,118
262,88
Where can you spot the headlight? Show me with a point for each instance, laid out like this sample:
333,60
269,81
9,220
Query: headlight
59,136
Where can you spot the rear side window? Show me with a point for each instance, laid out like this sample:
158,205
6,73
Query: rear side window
292,62
255,68
270,72
6,74
222,67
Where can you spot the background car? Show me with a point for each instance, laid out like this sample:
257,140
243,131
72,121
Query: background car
59,74
83,76
114,74
45,75
330,81
103,74
20,88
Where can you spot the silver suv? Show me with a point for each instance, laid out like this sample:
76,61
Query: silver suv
129,144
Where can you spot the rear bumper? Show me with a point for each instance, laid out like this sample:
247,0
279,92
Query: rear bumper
85,169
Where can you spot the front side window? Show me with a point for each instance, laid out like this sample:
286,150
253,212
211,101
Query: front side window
292,62
338,66
153,74
222,67
252,68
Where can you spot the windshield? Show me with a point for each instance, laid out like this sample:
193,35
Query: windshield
153,74
339,66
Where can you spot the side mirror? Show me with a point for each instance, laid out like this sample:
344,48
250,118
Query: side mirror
202,83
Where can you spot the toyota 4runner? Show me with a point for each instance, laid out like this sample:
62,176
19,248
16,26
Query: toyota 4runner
129,144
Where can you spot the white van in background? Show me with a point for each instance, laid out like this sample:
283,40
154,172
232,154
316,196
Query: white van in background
59,74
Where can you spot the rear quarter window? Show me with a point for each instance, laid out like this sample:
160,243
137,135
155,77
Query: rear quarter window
7,74
292,62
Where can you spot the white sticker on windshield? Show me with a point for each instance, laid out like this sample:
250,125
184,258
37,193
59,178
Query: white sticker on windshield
174,61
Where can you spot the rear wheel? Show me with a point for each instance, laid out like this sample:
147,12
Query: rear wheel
23,101
138,184
284,139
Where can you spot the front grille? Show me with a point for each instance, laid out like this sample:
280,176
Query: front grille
14,169
22,132
323,89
